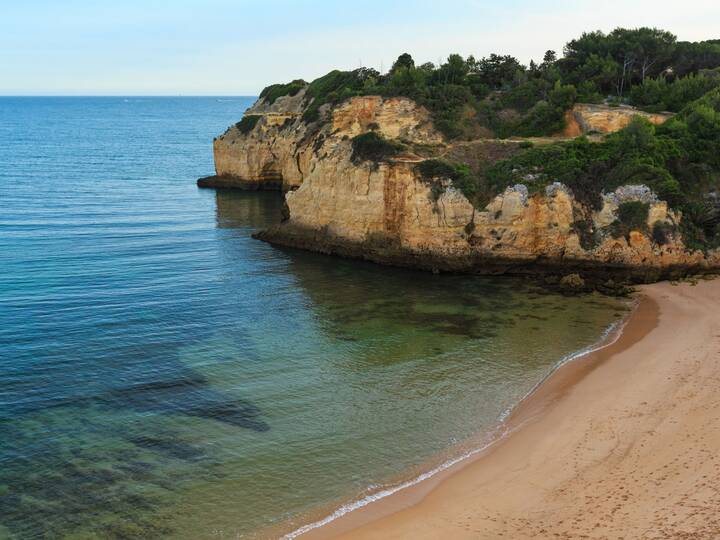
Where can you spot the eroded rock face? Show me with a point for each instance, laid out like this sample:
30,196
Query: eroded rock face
271,155
281,149
658,210
387,213
395,118
587,118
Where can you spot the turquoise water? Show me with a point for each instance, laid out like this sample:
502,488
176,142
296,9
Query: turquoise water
162,374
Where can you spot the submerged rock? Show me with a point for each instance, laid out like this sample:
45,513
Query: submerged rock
572,283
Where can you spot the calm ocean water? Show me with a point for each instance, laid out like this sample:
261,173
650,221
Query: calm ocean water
162,374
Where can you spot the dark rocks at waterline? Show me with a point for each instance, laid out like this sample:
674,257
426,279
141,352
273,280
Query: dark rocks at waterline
611,279
234,182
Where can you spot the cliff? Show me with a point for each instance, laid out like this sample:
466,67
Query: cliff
276,153
281,149
387,212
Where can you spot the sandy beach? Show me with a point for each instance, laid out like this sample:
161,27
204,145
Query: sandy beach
624,443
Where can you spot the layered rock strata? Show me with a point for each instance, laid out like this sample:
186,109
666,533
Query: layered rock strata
386,212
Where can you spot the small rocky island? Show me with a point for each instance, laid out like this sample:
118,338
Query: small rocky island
488,166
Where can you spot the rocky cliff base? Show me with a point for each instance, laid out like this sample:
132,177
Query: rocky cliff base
234,182
567,275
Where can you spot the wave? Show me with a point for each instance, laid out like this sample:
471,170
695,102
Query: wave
347,508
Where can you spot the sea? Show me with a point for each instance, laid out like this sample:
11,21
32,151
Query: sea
165,375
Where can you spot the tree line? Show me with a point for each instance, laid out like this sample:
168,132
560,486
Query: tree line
499,96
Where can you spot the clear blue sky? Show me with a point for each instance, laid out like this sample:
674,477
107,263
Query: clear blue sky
147,47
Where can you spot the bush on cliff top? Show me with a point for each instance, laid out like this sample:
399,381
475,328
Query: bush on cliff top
498,93
433,171
271,93
372,146
248,122
335,87
634,155
656,95
631,216
454,97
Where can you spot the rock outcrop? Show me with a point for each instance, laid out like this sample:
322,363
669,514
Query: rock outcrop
281,149
386,212
388,215
268,156
586,118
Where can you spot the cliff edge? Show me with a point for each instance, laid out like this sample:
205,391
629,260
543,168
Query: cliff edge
400,198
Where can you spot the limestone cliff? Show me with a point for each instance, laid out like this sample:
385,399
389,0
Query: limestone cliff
388,213
268,156
281,149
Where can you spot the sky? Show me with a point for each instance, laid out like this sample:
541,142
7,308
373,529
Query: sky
225,47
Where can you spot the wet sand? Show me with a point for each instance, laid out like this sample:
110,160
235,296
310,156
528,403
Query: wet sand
624,443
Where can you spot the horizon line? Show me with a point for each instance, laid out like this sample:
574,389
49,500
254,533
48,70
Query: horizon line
126,95
129,95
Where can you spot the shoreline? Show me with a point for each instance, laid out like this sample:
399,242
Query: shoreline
386,251
444,502
368,507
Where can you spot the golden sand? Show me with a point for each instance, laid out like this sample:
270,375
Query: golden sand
624,443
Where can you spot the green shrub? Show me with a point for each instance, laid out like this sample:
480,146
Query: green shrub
542,119
700,225
248,122
446,103
634,214
436,168
338,86
631,216
545,116
657,95
588,239
372,146
693,236
434,171
661,232
275,91
562,96
588,93
679,160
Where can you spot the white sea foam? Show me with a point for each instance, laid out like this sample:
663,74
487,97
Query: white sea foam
614,330
347,508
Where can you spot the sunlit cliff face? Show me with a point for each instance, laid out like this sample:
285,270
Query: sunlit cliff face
388,213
